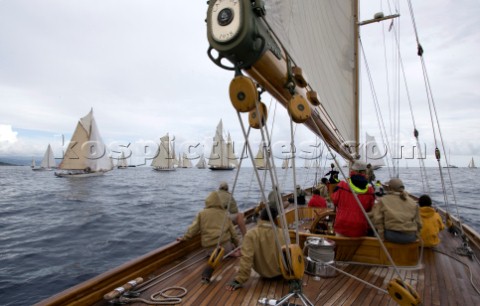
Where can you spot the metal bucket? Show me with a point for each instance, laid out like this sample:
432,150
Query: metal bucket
320,257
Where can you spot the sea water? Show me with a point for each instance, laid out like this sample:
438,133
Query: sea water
58,232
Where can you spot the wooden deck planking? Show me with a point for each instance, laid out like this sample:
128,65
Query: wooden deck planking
442,281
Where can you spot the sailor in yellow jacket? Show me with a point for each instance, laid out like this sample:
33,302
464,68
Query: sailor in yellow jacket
208,223
432,223
259,251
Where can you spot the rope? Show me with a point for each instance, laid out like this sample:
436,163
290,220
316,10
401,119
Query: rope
160,297
463,263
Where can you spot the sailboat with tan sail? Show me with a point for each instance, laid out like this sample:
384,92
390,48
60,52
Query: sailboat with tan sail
165,158
86,154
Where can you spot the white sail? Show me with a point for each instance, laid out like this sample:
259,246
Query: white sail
373,154
202,164
179,161
164,160
222,156
472,164
331,71
260,161
86,150
231,158
122,162
186,161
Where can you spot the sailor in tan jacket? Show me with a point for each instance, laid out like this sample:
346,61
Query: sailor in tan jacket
209,222
396,216
259,251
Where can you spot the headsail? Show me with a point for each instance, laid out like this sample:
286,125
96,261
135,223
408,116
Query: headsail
373,154
48,160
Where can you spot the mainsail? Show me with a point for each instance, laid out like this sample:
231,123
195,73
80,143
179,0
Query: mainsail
165,158
331,73
472,164
122,162
373,154
186,161
202,164
222,156
260,160
86,150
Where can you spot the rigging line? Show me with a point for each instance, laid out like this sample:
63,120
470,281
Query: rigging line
423,170
384,248
262,191
295,202
227,211
432,102
463,263
378,112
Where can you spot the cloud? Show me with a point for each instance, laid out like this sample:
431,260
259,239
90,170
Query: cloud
7,135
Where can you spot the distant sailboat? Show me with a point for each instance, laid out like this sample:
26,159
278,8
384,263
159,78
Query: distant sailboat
373,156
222,156
202,163
186,162
48,161
449,165
286,163
165,158
86,154
260,160
122,162
472,164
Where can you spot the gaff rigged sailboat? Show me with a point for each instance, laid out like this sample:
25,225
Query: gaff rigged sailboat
48,161
165,158
87,154
261,159
122,162
222,156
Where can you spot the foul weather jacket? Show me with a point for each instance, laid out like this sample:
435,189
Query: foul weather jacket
350,220
432,224
209,222
393,213
260,252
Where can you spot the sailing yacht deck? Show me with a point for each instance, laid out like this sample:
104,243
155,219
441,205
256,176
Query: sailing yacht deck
440,280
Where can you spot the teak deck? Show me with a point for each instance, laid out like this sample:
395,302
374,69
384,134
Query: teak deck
443,278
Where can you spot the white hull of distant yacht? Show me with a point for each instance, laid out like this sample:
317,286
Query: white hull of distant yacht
73,173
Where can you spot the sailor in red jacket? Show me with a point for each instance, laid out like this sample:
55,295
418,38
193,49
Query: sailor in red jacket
349,220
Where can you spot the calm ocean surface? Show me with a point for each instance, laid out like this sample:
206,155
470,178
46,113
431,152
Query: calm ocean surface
58,232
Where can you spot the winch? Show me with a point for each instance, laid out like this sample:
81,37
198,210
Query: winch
320,257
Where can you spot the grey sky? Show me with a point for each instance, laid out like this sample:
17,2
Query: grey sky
142,66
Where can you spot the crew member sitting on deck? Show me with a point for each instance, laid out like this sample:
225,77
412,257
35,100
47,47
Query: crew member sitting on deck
396,216
259,251
208,223
236,216
432,223
350,220
316,200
